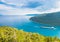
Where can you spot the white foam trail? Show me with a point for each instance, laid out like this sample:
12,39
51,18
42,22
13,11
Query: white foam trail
45,27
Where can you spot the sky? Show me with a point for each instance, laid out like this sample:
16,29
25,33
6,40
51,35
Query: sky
23,7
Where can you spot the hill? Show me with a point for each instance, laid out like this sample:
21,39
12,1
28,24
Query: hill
52,19
10,34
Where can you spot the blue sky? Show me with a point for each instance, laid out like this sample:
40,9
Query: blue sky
22,7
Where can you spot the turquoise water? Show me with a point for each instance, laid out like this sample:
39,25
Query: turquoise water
23,22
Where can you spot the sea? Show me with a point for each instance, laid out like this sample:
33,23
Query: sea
23,22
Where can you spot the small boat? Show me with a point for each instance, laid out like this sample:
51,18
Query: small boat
46,27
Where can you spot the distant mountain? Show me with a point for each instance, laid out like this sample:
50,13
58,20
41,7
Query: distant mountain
31,14
49,18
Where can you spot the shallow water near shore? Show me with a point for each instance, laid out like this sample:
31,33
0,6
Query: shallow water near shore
23,22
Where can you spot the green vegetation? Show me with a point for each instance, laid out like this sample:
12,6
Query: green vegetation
10,34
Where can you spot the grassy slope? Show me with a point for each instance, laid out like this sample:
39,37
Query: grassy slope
10,34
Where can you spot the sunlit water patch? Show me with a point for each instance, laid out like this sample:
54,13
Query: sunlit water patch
23,22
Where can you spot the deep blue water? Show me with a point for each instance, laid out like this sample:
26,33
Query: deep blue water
23,22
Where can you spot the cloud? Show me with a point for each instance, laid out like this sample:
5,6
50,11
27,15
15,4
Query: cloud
22,7
15,11
32,5
14,2
58,4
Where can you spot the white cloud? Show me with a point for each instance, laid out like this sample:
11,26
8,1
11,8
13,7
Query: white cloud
16,11
58,4
47,7
15,2
4,7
